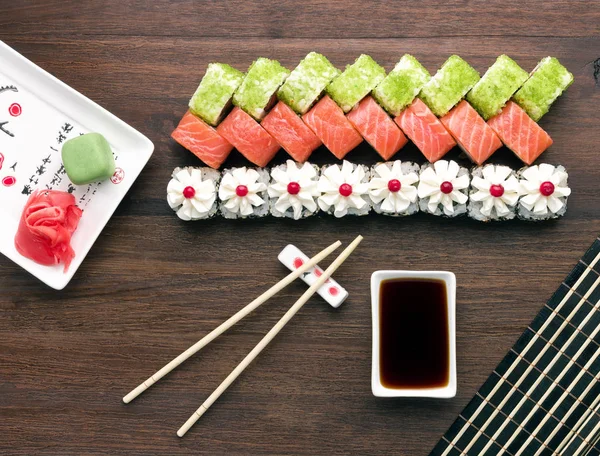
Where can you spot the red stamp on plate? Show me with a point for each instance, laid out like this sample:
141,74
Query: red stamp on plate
118,176
1,159
9,181
15,110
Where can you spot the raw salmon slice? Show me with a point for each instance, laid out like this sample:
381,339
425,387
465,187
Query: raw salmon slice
202,140
288,130
328,122
472,134
425,130
520,133
380,131
248,137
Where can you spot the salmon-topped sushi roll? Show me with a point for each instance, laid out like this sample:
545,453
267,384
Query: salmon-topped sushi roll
246,134
425,130
376,126
473,135
520,133
202,140
328,122
288,130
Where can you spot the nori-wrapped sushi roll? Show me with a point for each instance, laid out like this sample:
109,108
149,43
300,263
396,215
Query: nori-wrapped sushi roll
192,193
344,189
494,193
400,87
307,81
243,193
544,192
449,85
212,99
443,188
293,190
547,82
496,86
356,82
258,90
392,188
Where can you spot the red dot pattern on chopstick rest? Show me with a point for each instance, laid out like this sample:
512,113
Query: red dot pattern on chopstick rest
298,262
9,181
333,291
318,273
15,110
1,159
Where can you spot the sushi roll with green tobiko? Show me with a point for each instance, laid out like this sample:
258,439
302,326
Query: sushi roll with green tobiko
400,87
356,82
544,192
443,188
344,189
257,92
449,85
393,188
192,193
547,82
307,81
212,99
243,193
496,86
293,190
494,193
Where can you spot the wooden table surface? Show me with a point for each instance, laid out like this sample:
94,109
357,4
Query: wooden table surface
152,285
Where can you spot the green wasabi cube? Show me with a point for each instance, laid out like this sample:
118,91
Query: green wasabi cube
88,158
496,86
212,98
547,82
449,85
307,82
401,85
356,82
259,86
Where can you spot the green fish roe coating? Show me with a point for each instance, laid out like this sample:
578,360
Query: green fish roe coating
213,95
307,82
496,86
356,82
401,85
547,82
262,80
449,85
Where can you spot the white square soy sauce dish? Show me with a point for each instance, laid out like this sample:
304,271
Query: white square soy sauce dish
377,384
38,113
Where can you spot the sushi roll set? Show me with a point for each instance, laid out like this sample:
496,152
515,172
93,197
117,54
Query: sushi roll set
270,107
300,190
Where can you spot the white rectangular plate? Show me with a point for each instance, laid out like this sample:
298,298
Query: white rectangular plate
37,114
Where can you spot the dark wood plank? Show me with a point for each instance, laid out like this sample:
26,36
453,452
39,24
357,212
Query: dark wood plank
311,19
152,285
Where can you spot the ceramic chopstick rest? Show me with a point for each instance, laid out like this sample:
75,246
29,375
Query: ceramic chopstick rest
292,258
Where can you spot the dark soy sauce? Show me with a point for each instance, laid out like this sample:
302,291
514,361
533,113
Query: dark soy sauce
414,344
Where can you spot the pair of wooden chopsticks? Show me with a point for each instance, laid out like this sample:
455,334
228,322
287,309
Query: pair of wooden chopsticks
237,317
